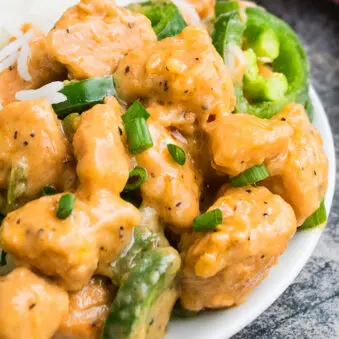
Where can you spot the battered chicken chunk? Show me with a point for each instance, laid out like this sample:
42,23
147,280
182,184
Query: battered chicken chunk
184,69
30,307
173,190
33,144
92,37
103,161
241,141
301,176
100,225
221,268
88,310
41,68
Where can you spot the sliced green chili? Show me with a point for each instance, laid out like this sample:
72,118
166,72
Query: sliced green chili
82,95
177,153
251,176
66,205
165,17
136,177
208,221
316,219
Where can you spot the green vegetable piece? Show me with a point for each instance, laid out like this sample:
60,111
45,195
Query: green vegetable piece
222,7
165,17
145,282
136,177
266,89
17,181
291,62
252,70
3,260
177,153
266,45
136,110
66,205
133,197
70,125
82,95
316,219
251,176
142,241
228,31
47,190
208,221
138,136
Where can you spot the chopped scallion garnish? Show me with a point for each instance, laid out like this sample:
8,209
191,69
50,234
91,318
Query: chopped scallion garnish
316,219
138,136
136,110
208,221
136,178
251,176
47,190
66,205
177,153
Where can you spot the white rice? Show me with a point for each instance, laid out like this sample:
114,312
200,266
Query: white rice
187,9
49,92
17,51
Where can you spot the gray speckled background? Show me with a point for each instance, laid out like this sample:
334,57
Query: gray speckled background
310,306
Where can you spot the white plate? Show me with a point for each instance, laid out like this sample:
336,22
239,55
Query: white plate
220,324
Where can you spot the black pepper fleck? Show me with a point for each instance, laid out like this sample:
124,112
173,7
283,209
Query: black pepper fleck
25,143
315,173
18,221
178,204
169,208
265,202
186,91
166,85
127,69
10,68
249,191
197,59
32,135
263,256
120,130
94,324
31,306
67,30
265,214
15,134
283,119
151,322
121,231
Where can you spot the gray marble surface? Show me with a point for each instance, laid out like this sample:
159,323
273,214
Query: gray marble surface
310,306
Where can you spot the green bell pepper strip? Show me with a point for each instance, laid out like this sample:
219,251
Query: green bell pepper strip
84,94
165,17
145,282
291,62
222,7
142,241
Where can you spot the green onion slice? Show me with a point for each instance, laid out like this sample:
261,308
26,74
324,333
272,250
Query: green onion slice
17,181
136,110
177,153
66,205
250,176
47,190
316,219
136,178
138,136
208,221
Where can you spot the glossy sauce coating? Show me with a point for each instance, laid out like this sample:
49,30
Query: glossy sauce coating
88,310
31,133
92,37
30,306
222,267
